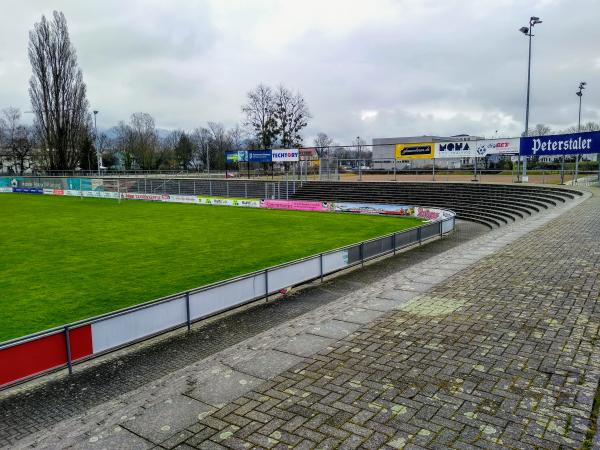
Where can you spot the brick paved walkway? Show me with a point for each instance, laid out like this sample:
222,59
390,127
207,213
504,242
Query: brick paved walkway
505,354
494,348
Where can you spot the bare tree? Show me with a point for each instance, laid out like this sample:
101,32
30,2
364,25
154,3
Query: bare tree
292,116
145,140
261,118
219,143
540,130
200,147
57,92
124,143
16,138
322,143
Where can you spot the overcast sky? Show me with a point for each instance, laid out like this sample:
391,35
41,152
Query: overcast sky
377,68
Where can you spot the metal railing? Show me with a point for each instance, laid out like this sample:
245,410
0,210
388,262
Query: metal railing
86,339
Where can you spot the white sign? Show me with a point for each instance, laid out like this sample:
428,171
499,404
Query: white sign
456,149
285,155
498,146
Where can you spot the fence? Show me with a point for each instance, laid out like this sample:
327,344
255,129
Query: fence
24,358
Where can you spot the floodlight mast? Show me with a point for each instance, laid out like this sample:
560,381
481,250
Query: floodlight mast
528,31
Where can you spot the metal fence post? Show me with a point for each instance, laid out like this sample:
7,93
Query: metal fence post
266,284
441,228
68,348
210,187
362,254
394,242
194,187
227,187
245,190
187,310
419,235
321,265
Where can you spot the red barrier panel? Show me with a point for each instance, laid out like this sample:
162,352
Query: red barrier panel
47,352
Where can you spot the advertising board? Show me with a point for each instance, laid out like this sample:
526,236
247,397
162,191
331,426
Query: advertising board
419,150
299,205
373,208
29,190
236,156
174,198
5,189
508,146
285,155
152,197
223,201
456,149
561,144
260,156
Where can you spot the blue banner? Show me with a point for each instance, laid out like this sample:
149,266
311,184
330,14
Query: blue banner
28,190
260,156
561,144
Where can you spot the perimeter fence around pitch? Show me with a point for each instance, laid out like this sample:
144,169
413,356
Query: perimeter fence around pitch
30,356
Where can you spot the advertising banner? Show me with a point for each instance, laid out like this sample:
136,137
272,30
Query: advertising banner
260,156
456,149
373,208
98,194
32,190
498,146
561,144
236,157
5,189
299,205
420,150
153,197
428,213
285,155
183,199
222,201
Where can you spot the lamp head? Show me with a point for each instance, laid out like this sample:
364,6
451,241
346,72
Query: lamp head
524,30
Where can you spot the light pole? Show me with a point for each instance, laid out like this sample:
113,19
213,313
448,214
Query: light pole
527,31
359,163
579,94
96,140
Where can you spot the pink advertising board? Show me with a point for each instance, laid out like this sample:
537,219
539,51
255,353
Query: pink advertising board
299,205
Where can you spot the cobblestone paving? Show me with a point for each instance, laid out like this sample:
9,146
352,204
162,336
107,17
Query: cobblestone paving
29,410
503,355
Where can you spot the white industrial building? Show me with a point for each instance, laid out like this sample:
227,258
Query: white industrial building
384,152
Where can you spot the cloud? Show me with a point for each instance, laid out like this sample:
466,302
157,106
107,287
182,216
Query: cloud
382,68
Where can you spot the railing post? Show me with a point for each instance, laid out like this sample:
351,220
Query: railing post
321,265
394,242
362,254
245,189
68,348
187,310
419,235
210,187
266,284
227,187
441,222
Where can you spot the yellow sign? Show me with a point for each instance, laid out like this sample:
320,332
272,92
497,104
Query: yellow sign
418,150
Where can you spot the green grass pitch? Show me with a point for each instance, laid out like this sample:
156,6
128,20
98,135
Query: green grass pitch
64,258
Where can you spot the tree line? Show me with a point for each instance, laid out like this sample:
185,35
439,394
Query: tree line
63,135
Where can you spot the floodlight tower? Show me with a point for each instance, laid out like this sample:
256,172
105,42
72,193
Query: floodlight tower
579,94
527,31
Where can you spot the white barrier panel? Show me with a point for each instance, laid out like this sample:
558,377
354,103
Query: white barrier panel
226,296
335,261
137,324
447,225
294,273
